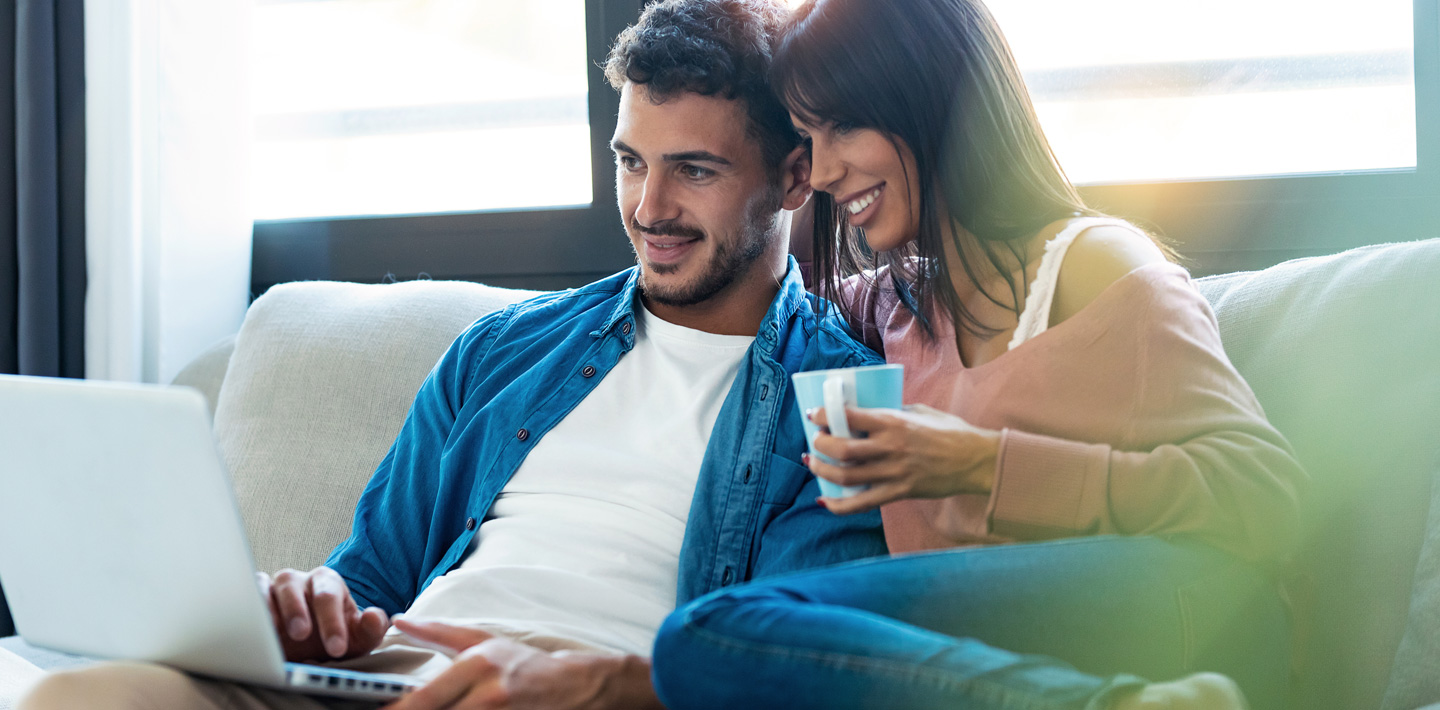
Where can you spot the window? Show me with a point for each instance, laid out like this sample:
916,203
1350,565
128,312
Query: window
387,107
1137,90
1246,131
459,139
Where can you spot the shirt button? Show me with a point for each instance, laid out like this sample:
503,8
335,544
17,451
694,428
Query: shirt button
625,329
588,371
469,523
727,577
522,435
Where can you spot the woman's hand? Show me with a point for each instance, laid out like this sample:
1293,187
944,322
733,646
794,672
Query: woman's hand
917,452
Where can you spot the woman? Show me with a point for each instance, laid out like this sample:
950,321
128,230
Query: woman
1067,380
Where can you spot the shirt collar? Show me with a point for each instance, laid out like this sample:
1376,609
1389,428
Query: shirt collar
782,307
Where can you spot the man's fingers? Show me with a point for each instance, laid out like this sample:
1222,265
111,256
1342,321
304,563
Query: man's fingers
368,631
327,598
467,675
267,593
865,500
455,638
288,593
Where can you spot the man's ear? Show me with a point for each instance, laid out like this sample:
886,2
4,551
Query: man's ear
795,177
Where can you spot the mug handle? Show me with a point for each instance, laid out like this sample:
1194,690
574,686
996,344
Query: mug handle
834,390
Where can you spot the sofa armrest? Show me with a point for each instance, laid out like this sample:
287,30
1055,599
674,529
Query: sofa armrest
207,371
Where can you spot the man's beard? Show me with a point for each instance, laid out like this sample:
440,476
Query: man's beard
730,258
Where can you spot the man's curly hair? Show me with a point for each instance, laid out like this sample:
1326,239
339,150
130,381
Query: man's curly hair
712,48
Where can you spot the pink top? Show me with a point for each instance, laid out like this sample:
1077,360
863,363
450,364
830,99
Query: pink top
1126,418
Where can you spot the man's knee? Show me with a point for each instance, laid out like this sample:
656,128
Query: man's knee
122,686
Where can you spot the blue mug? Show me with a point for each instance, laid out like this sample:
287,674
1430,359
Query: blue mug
872,387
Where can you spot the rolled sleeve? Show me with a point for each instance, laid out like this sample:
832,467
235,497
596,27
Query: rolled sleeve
1049,487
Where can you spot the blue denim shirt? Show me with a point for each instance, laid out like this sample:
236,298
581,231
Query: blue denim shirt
517,372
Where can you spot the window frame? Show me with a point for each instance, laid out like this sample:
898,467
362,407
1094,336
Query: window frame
1218,225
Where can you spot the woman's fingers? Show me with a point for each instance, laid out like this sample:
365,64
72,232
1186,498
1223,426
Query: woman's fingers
859,418
851,450
875,497
853,475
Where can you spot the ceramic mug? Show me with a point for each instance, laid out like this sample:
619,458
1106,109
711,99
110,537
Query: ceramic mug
871,387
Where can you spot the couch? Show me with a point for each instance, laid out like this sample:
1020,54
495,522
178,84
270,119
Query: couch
1343,351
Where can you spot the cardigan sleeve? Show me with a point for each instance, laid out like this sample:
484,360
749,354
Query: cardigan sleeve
1199,459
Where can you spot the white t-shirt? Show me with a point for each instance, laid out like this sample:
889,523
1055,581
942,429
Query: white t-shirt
584,541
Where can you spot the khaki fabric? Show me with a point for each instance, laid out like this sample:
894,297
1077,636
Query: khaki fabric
143,686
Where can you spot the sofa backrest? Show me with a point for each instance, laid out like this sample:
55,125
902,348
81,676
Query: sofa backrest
1343,352
320,380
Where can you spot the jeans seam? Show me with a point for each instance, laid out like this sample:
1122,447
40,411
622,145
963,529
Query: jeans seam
1187,628
896,670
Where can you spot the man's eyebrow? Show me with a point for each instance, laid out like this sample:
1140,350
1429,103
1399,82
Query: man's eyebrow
696,156
689,156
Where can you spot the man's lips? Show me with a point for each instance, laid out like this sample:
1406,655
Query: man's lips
668,250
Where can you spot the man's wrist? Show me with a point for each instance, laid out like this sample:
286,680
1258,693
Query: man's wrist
625,683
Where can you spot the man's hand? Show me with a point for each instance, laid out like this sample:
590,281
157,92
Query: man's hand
493,673
317,619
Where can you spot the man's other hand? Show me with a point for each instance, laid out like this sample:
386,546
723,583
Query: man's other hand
493,673
317,619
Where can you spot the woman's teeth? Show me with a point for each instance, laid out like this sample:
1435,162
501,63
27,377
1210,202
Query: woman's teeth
859,204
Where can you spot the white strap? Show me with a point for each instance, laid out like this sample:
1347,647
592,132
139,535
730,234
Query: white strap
1035,317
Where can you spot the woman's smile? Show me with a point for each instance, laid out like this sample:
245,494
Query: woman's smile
864,205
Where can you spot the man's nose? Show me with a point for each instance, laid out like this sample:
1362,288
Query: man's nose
656,203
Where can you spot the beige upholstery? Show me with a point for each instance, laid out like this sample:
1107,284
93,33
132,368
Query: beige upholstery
319,383
207,371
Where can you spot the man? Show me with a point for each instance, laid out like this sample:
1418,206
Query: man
577,463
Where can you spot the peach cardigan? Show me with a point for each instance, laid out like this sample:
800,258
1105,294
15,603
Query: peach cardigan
1125,418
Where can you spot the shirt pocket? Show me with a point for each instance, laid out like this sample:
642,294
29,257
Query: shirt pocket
785,480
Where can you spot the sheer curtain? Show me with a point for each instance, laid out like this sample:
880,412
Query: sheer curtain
168,242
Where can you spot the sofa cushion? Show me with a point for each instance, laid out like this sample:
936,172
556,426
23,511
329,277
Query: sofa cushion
319,383
1343,351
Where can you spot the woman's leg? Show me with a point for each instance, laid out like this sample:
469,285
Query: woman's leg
980,628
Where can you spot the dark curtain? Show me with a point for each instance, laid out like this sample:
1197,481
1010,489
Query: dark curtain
42,193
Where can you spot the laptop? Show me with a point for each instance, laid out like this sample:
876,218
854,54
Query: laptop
120,538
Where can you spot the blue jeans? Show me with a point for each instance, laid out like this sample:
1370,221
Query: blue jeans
980,628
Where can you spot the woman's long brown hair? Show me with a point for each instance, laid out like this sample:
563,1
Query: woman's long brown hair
939,76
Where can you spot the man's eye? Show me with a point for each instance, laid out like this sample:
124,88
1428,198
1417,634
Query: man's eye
627,162
695,172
